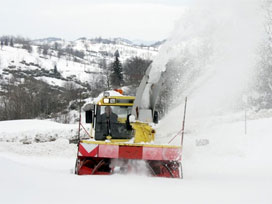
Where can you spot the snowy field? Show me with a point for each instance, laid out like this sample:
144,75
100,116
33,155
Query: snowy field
220,164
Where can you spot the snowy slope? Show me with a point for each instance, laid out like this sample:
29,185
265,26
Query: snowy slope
231,168
86,69
17,57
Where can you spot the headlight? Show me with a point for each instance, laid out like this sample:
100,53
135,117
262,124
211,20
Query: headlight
106,100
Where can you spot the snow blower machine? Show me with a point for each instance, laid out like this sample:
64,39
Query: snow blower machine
121,135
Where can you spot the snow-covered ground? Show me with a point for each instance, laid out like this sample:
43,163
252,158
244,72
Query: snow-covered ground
220,164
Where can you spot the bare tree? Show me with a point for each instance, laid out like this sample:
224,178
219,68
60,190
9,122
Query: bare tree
134,70
105,71
71,91
29,99
11,42
27,46
6,41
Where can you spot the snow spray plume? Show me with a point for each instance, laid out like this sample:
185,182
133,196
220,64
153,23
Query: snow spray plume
213,50
210,57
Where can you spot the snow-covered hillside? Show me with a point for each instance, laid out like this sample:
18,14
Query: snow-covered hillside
78,61
231,168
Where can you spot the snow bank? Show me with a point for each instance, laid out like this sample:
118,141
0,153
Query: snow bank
28,131
58,148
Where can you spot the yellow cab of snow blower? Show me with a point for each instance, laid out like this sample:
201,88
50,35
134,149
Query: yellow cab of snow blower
109,118
117,141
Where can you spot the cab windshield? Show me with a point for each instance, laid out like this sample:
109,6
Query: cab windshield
112,121
120,111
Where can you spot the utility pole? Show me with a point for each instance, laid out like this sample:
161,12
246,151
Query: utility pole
245,116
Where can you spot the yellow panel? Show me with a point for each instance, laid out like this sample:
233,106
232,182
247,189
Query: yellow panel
143,132
122,120
101,102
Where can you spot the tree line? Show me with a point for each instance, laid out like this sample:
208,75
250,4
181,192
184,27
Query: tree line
30,98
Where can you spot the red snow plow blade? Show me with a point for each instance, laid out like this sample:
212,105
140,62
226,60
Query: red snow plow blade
96,158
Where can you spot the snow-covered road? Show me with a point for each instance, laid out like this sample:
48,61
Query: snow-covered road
27,179
239,172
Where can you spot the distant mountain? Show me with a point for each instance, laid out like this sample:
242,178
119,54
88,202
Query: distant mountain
142,42
48,40
119,40
123,40
158,43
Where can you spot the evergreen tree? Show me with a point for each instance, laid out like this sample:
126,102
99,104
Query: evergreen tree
55,69
56,72
2,44
116,76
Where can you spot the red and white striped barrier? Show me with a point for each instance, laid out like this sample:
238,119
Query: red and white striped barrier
167,153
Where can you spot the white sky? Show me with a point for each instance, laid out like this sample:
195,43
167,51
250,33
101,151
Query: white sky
149,20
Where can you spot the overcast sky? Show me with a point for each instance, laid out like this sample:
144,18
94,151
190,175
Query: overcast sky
148,20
